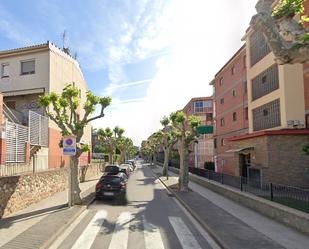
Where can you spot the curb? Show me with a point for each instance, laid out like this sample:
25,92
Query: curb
195,215
51,240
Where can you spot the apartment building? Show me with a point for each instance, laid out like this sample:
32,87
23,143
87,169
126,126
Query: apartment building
278,118
202,151
26,74
231,109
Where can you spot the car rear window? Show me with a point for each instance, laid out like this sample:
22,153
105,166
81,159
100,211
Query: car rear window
111,169
111,179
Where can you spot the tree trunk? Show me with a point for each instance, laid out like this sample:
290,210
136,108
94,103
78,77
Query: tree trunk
154,158
110,157
75,198
183,180
165,165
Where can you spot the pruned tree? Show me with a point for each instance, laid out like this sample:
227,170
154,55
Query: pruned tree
287,37
124,145
186,133
168,139
63,110
109,139
154,145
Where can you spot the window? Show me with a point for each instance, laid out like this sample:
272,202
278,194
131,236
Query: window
245,86
258,47
265,112
234,93
215,143
244,62
234,116
27,67
221,81
208,103
265,82
222,121
5,70
11,104
222,101
266,116
246,113
233,70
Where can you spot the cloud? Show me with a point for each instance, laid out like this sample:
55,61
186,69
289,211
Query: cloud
203,36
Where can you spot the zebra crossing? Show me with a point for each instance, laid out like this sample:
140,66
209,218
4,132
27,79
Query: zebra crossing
120,235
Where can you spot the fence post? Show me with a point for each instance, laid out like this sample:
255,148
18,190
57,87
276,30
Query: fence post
240,183
221,178
271,192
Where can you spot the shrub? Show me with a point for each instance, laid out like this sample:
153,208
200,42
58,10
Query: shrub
209,166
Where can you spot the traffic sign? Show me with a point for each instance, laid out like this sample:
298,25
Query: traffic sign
69,145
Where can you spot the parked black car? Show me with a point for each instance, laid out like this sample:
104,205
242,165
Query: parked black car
112,186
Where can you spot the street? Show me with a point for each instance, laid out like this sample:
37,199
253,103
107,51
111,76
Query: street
150,219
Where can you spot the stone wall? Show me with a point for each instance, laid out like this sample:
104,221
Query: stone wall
18,192
280,158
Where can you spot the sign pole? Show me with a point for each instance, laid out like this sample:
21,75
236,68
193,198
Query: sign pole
70,184
69,149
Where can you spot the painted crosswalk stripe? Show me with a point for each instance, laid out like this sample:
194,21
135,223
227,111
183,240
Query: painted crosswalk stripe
152,236
121,232
88,236
183,233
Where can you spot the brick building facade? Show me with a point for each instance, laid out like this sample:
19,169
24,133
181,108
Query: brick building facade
231,109
202,151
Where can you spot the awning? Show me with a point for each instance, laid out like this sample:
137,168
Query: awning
239,150
23,92
205,129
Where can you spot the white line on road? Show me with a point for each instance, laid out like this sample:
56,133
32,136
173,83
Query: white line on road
66,233
183,233
153,239
121,232
88,236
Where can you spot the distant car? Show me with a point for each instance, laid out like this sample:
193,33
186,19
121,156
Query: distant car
112,186
111,170
130,166
132,163
125,168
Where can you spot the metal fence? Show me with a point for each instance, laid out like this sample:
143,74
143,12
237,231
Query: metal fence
40,163
38,129
287,195
16,136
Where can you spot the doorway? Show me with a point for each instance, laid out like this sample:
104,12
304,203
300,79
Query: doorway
244,163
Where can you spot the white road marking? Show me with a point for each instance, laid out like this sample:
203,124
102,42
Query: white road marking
183,233
86,239
121,232
205,234
202,231
153,239
66,233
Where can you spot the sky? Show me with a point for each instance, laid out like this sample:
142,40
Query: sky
150,56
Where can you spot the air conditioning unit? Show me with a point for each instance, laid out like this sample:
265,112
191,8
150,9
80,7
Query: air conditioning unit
296,124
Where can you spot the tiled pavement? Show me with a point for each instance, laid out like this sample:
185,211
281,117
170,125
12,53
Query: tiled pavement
37,224
235,225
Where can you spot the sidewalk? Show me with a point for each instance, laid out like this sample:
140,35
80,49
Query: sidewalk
235,225
33,226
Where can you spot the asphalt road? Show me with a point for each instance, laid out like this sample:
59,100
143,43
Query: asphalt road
150,219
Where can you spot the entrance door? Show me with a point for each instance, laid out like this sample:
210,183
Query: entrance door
245,163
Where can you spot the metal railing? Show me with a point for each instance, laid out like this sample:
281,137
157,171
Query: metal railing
294,197
38,129
39,163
